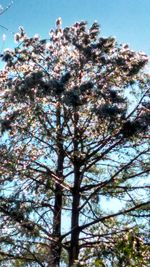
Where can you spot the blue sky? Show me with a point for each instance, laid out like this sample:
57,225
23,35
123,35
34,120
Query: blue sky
128,20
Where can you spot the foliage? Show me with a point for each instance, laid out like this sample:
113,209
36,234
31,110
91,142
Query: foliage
74,123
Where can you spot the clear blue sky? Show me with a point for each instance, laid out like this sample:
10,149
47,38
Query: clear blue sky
128,20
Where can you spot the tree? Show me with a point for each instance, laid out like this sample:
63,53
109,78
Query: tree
74,122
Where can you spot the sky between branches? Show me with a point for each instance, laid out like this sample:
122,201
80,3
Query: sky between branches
127,20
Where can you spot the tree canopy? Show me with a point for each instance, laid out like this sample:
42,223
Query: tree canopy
75,116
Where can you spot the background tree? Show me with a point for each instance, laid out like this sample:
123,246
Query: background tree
74,120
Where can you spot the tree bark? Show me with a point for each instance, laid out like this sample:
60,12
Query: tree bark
56,246
74,244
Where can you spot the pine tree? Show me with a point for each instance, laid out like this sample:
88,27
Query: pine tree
74,123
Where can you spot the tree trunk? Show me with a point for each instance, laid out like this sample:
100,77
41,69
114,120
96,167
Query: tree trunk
74,244
56,246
